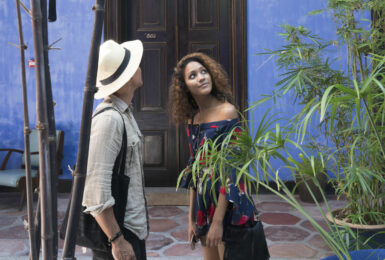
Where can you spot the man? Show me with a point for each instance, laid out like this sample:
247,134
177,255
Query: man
119,75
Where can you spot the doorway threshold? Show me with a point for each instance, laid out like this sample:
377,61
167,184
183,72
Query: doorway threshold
166,196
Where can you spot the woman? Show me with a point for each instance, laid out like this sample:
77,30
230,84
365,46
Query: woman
200,96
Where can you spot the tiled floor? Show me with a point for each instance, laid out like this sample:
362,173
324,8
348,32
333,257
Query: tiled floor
289,235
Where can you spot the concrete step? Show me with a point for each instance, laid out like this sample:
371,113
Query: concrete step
166,196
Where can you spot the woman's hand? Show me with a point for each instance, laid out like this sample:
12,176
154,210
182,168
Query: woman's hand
192,231
214,236
122,250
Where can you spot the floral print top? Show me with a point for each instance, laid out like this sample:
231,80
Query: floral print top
241,209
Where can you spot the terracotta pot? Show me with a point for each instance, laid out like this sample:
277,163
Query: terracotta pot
364,231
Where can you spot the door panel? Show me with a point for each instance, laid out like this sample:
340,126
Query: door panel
205,27
154,148
152,15
153,96
153,22
203,14
169,29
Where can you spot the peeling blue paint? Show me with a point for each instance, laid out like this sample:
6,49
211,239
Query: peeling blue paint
68,72
264,18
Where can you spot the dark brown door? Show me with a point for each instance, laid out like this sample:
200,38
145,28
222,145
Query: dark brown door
204,26
170,29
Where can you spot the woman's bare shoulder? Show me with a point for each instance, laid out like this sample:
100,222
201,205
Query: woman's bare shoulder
228,111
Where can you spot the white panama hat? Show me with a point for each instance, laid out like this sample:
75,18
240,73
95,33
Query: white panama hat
117,64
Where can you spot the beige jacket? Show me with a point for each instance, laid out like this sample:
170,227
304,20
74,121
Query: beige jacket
105,144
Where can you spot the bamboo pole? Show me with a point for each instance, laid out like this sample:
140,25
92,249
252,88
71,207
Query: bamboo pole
52,11
51,126
27,131
84,139
37,225
42,126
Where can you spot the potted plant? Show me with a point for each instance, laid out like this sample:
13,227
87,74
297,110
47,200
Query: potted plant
305,169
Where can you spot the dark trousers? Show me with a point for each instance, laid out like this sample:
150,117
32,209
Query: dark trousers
138,245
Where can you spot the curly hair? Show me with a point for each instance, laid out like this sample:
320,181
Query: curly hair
182,105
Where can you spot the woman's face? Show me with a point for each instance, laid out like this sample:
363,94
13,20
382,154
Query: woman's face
197,79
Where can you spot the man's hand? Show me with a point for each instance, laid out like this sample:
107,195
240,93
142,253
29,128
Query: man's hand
214,236
122,249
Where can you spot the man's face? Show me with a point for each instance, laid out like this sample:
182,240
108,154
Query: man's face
136,80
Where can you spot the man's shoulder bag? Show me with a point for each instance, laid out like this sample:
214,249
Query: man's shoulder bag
89,234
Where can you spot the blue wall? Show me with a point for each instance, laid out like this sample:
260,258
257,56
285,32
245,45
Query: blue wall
264,18
68,70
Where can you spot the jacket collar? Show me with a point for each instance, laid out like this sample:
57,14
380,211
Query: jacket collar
120,104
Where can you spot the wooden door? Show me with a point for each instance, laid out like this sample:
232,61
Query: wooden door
169,29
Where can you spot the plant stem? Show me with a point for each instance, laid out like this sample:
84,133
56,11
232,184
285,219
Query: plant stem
374,128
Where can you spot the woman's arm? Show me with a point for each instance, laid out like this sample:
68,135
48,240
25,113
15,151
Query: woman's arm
191,215
193,194
214,236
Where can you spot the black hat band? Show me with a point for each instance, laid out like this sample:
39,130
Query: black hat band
119,71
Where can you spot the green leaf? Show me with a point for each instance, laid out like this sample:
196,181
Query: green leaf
325,101
316,12
379,85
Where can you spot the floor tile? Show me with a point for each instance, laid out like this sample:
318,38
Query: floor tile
273,206
317,242
165,211
285,233
162,225
157,241
183,250
180,234
13,247
294,250
279,218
